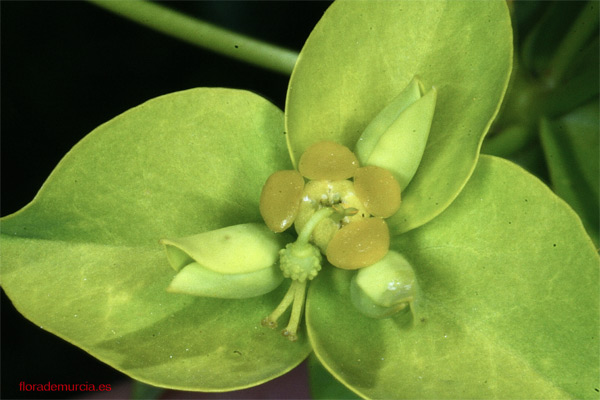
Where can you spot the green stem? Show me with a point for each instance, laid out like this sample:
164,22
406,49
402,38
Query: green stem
203,34
312,223
580,31
576,92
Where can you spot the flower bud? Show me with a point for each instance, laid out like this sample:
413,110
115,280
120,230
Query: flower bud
395,139
384,288
235,262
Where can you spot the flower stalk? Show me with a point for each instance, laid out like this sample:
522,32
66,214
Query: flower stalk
203,34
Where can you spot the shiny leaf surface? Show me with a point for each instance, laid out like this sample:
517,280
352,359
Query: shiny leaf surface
83,259
488,322
361,55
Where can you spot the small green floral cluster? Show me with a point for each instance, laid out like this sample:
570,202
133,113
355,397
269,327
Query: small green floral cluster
337,200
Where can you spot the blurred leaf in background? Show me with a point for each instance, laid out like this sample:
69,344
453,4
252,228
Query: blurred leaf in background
549,121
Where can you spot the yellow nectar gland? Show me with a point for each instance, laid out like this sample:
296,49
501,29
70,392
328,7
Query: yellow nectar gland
339,195
333,215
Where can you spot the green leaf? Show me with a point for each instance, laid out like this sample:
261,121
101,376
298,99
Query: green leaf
361,55
542,40
508,305
142,391
572,151
323,385
84,262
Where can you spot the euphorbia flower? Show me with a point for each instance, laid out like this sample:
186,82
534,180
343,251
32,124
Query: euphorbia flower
469,245
339,212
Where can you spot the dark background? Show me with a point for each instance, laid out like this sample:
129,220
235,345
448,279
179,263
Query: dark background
67,67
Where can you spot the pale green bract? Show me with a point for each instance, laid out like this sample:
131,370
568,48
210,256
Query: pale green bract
395,139
215,250
197,280
209,263
508,299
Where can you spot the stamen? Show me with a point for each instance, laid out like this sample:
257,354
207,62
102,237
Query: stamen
344,211
300,261
288,299
291,330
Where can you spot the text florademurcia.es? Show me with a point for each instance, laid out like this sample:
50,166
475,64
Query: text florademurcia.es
64,387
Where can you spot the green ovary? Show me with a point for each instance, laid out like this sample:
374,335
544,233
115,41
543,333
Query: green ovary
321,194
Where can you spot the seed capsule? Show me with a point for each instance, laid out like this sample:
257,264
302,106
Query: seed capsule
378,190
327,161
280,199
359,244
384,288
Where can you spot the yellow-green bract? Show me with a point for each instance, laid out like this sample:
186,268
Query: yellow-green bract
235,262
395,139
